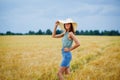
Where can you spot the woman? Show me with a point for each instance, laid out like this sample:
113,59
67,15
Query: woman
68,37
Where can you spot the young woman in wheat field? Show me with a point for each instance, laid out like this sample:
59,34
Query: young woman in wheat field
68,36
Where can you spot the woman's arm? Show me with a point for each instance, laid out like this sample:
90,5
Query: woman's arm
77,43
54,32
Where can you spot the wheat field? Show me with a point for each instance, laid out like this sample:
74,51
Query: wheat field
38,58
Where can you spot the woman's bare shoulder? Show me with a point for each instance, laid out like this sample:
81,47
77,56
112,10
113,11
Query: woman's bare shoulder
63,32
71,33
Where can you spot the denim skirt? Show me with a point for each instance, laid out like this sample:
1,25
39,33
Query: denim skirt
66,58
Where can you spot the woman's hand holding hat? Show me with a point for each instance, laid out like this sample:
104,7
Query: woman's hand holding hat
56,23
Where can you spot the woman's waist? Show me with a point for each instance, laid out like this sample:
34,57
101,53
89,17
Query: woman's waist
63,49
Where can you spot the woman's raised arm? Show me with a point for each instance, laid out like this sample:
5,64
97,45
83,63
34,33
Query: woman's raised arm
54,35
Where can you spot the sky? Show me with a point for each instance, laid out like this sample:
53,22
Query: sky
24,15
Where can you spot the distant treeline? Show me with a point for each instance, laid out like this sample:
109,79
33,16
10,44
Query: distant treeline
81,32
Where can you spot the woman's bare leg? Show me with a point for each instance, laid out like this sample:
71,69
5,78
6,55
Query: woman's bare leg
67,70
60,73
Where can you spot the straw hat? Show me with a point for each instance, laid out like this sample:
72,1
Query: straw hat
68,20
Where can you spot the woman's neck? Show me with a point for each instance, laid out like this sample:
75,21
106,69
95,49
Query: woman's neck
67,30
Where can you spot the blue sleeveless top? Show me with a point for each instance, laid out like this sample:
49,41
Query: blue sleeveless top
66,42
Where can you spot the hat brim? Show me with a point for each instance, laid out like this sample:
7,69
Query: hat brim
61,25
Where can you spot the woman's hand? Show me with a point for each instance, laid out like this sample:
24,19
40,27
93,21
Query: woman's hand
56,23
54,35
66,49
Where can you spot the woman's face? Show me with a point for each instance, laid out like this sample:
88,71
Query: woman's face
67,26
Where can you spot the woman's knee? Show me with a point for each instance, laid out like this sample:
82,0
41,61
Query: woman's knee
67,71
59,73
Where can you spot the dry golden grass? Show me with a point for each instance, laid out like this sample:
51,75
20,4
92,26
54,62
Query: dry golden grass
38,58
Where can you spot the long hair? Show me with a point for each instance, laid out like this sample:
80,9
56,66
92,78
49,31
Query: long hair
71,28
